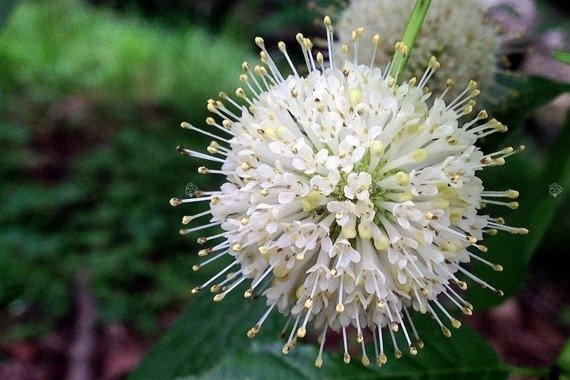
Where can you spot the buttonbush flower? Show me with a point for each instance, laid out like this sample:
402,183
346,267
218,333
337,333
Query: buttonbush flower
348,200
466,42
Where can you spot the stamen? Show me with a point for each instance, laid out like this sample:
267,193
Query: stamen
496,267
419,342
413,350
225,127
202,240
192,153
248,293
220,273
188,218
365,359
303,329
376,42
478,280
359,336
272,67
513,194
210,260
300,39
511,205
202,227
240,93
177,201
346,357
376,353
255,329
444,329
470,239
356,37
397,351
288,344
322,339
433,66
454,322
321,61
225,96
470,87
245,79
309,46
246,68
340,306
448,86
215,148
262,73
220,296
330,39
466,305
283,49
218,108
189,126
382,359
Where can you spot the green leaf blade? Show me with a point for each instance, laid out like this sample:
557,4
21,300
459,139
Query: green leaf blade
203,335
213,346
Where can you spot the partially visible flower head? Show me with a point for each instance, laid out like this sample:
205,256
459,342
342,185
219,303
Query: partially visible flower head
348,200
457,32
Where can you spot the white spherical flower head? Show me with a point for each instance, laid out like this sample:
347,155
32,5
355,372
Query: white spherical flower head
466,42
348,200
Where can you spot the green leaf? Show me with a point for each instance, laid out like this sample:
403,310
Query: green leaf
564,362
208,342
527,93
202,336
536,212
562,56
262,361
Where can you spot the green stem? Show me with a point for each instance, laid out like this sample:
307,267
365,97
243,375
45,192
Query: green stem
409,38
529,372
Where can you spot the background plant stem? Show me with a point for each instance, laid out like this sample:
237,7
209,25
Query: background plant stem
409,38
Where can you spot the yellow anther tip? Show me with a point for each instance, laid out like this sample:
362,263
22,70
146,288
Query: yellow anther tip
319,362
219,297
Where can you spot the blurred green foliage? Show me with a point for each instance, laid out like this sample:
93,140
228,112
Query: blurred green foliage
120,61
90,109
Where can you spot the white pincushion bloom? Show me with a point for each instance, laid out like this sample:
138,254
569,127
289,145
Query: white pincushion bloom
348,201
465,40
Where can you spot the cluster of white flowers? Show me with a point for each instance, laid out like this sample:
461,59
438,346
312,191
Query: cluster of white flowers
348,200
457,32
